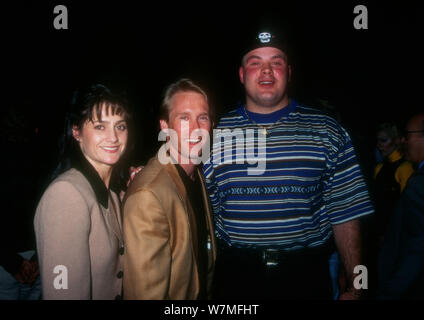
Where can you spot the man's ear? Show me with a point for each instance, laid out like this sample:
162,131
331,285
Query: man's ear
76,133
241,74
163,124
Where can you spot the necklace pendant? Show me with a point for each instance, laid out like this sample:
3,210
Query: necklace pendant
264,131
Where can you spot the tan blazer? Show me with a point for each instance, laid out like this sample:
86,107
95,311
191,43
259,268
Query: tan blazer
160,233
74,230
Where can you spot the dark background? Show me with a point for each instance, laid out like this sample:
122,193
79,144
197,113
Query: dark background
368,75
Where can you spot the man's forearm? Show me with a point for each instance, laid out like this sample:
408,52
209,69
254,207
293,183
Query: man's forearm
348,240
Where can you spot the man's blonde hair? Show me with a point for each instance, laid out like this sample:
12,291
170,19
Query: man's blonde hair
182,85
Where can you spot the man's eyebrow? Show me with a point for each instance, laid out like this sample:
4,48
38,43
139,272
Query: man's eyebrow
279,56
253,57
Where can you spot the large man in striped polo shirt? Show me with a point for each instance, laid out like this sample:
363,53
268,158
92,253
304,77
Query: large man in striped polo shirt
285,187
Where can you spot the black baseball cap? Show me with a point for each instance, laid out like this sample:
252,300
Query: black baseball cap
266,38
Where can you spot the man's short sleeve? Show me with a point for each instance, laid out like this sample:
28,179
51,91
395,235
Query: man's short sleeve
345,191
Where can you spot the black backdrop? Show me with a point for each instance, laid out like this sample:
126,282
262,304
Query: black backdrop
368,75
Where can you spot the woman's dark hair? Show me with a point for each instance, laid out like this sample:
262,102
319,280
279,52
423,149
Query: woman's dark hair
85,104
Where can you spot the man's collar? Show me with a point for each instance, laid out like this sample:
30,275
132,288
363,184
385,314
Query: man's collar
187,180
177,164
269,117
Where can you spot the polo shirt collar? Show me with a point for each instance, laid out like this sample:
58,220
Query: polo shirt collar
269,117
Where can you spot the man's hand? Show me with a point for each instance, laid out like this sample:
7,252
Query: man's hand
28,272
133,171
351,294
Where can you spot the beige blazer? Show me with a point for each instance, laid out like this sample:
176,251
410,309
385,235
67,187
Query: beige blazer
160,233
75,231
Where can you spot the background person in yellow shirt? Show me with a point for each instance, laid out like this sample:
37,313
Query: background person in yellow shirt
390,177
389,145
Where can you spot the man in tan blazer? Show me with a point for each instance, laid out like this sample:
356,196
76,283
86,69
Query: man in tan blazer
168,228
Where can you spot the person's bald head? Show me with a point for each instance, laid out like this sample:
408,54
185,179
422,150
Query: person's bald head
414,139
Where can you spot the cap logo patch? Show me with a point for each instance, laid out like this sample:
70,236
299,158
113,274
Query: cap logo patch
264,37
